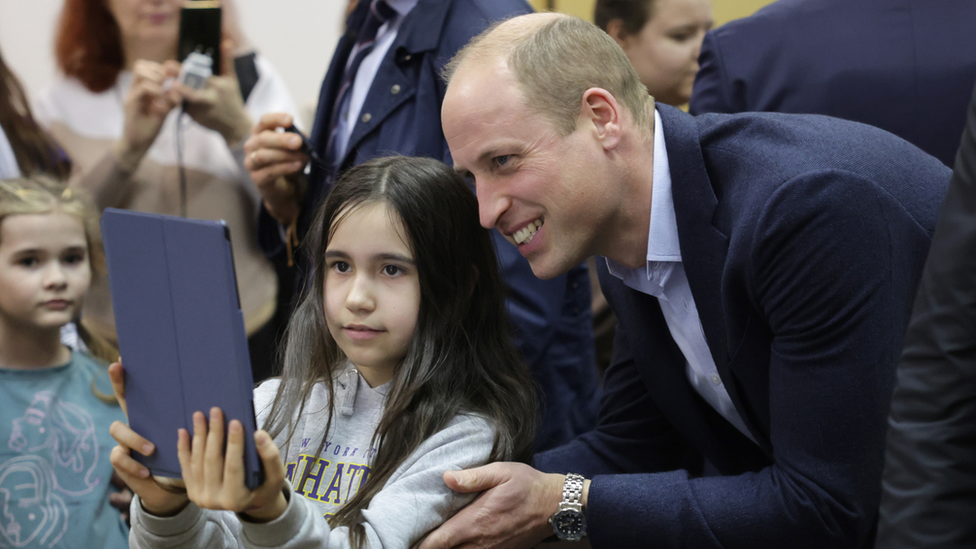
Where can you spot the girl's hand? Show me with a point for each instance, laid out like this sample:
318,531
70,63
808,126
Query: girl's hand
159,496
147,104
214,481
219,105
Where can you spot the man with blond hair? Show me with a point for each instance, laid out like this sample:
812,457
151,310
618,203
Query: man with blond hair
761,266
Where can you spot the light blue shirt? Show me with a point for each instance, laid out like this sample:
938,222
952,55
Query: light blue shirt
664,278
55,474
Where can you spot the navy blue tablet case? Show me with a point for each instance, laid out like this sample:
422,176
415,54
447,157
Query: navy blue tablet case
180,329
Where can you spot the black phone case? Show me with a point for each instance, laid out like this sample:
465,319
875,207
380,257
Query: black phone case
200,30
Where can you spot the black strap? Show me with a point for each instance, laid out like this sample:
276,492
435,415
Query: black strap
247,74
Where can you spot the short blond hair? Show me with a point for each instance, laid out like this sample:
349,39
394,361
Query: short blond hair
42,194
555,58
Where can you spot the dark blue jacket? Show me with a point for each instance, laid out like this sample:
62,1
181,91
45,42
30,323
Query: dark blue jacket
803,238
552,318
906,66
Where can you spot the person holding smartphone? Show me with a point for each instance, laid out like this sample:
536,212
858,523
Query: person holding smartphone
140,140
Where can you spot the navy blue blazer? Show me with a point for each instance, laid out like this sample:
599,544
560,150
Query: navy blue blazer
552,318
906,66
803,238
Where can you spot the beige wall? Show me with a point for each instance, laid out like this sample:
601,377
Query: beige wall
725,10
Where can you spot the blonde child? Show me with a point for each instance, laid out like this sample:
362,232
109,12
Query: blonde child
55,473
399,367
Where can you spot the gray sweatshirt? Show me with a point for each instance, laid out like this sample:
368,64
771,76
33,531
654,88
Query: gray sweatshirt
412,502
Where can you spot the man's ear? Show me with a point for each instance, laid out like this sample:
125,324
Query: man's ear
600,108
617,31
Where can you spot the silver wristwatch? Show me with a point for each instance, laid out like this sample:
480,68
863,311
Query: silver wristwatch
568,521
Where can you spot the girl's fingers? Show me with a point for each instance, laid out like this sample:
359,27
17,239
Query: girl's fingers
127,467
213,458
116,374
234,462
274,469
183,454
125,436
197,447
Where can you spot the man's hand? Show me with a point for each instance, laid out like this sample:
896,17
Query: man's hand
275,162
513,512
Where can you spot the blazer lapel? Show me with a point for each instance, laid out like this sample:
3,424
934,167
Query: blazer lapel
420,32
662,369
704,247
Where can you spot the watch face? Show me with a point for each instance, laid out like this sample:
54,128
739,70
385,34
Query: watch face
569,524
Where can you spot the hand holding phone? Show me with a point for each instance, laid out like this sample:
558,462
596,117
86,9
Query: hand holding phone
306,145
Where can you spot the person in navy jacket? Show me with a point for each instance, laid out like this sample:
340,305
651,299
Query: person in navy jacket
906,66
762,268
400,114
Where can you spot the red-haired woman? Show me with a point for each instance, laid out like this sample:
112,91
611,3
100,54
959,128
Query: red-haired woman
116,111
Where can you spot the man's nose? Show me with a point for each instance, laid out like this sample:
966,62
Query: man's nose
491,206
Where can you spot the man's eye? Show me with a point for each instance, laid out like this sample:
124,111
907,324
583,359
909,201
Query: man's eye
502,160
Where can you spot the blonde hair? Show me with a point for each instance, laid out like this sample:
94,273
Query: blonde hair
555,59
42,194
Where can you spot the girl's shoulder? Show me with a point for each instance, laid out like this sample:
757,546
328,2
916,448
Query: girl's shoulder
264,395
466,441
464,429
96,371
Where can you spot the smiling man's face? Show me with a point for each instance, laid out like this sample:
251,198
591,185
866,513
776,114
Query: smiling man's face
538,188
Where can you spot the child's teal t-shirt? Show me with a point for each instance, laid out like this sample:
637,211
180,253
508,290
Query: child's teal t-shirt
54,458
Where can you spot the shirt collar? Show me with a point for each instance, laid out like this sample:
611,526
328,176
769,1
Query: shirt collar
402,7
662,234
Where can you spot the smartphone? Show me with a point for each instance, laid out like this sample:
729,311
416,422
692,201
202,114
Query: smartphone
306,145
200,30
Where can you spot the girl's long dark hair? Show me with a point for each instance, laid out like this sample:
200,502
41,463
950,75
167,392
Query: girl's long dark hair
34,150
461,360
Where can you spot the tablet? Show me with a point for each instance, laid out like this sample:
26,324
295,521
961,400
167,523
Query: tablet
180,329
